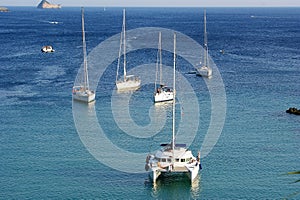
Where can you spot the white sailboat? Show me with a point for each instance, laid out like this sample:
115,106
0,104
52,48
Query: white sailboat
82,92
161,93
127,82
205,70
173,158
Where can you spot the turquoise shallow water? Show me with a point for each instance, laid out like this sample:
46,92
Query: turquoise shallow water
42,155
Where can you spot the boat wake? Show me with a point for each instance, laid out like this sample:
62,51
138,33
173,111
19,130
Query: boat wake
264,17
50,72
54,22
16,55
17,95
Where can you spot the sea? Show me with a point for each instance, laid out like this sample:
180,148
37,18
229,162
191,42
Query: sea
54,148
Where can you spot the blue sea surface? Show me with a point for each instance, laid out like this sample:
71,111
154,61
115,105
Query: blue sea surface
43,157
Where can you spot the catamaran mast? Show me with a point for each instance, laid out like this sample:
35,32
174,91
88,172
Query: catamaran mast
174,97
124,43
86,79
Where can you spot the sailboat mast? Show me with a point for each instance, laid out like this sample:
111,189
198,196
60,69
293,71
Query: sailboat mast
160,60
174,93
86,81
156,66
124,43
205,42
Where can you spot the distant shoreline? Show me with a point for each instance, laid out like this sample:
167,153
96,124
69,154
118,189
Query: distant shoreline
78,6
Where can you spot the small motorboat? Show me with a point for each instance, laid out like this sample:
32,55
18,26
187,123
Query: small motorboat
47,49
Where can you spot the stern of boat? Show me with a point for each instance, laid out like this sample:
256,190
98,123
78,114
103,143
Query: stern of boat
193,171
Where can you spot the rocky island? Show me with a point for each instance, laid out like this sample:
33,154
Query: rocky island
45,4
294,111
3,9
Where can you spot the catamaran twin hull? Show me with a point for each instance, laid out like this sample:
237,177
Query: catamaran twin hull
183,162
191,173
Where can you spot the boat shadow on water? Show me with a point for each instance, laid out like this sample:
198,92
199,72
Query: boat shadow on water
174,186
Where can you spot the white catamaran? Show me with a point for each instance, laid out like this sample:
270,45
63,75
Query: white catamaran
205,70
173,158
161,93
127,82
82,92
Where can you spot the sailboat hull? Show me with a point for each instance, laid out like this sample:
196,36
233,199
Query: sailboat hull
129,84
204,71
163,96
84,98
84,95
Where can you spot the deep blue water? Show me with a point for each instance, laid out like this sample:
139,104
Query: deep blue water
42,155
